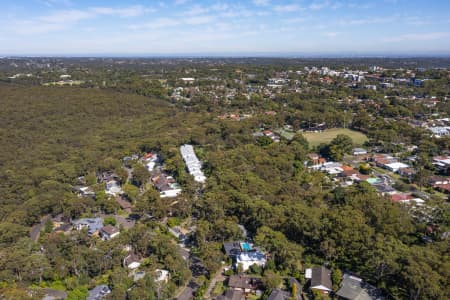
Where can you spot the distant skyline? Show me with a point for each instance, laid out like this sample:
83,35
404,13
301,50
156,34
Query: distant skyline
225,28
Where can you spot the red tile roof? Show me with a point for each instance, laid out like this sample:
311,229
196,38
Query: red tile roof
401,197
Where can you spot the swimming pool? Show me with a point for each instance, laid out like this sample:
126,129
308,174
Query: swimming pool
246,247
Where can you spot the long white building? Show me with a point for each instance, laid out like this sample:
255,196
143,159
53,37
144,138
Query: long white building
194,166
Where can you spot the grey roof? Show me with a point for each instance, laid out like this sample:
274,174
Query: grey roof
231,294
382,188
99,292
321,276
93,224
278,294
232,248
239,282
52,294
354,289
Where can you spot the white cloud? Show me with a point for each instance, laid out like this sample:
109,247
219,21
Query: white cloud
287,8
261,2
332,34
157,24
62,19
196,10
199,20
131,11
364,21
51,3
180,2
165,23
295,20
319,5
360,5
220,7
73,15
430,36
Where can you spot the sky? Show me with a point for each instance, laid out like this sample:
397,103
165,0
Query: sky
215,27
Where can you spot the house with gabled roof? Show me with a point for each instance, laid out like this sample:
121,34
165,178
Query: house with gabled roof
99,292
232,294
278,294
319,279
124,204
108,232
354,288
244,283
93,225
131,261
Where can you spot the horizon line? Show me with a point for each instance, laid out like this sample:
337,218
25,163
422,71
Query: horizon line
291,55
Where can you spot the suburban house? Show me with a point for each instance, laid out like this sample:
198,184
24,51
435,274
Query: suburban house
162,275
445,188
359,151
382,159
187,79
441,162
315,159
108,232
388,162
150,160
269,133
138,275
84,191
332,168
438,180
278,294
245,284
131,261
107,176
407,172
232,249
60,224
63,228
124,204
406,198
384,189
247,259
242,253
319,279
354,288
193,164
166,185
52,294
395,166
232,294
99,292
93,225
113,188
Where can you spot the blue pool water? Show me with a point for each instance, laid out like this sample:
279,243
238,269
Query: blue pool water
246,247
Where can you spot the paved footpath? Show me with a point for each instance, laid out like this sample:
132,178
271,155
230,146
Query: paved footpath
217,278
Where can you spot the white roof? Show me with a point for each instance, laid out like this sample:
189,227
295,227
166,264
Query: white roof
397,165
161,275
134,265
193,164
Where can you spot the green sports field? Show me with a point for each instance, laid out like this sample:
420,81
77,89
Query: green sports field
315,138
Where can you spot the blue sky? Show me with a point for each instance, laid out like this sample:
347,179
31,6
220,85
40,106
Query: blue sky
143,27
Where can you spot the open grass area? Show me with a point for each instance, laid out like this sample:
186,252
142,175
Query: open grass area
315,138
